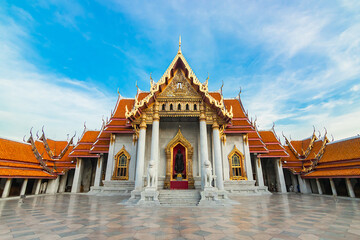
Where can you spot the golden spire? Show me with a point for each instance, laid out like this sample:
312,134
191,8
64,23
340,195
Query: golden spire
179,52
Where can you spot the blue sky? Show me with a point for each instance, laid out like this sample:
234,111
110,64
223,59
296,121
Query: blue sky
298,63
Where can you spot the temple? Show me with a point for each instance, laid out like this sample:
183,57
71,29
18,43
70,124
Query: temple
180,136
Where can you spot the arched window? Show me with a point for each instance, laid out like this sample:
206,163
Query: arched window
171,107
236,162
179,106
121,170
195,108
187,107
163,107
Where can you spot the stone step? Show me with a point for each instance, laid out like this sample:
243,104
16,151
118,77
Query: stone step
179,197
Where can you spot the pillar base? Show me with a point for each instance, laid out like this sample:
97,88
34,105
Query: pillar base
149,197
209,196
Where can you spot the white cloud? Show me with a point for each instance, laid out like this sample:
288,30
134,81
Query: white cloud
32,98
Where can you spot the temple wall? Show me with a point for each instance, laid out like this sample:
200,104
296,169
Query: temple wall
127,141
238,141
168,130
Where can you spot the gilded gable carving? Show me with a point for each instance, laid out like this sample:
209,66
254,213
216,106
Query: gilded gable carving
179,87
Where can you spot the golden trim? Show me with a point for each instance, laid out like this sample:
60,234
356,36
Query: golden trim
189,151
155,88
243,173
128,157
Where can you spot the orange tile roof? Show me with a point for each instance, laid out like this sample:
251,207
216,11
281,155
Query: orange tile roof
237,108
120,107
216,95
273,145
17,151
17,173
352,172
342,150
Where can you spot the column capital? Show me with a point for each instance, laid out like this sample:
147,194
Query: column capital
215,123
202,112
143,121
156,111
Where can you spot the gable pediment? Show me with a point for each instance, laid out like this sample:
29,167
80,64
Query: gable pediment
179,87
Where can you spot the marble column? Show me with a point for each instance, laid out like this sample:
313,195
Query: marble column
38,186
248,167
63,181
217,156
98,173
154,155
294,182
259,172
280,176
77,176
204,153
304,188
140,154
349,188
7,188
23,187
111,159
53,185
333,188
319,186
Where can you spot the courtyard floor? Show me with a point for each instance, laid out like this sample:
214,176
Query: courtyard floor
289,216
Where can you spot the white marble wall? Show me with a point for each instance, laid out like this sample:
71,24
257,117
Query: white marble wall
120,141
237,140
168,130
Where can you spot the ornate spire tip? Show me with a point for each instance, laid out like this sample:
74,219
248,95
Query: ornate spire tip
179,52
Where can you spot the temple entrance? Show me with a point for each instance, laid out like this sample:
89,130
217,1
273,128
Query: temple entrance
179,178
179,163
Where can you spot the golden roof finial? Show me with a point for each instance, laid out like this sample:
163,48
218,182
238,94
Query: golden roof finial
179,52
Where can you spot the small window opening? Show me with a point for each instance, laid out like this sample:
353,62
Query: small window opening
171,107
187,107
195,107
179,107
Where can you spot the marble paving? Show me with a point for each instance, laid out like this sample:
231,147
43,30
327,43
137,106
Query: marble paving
79,216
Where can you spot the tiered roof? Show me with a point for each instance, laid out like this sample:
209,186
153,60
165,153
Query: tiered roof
41,158
273,145
339,159
85,144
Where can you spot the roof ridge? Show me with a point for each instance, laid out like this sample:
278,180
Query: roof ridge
344,139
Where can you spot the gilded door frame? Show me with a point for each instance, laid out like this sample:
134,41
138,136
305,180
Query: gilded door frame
189,151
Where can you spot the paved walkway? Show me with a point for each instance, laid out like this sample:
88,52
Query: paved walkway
269,217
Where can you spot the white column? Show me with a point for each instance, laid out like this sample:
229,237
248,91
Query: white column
226,170
77,176
111,159
23,187
203,144
294,182
63,181
259,172
349,188
333,188
249,172
140,154
319,186
154,155
217,156
98,173
7,188
280,176
38,186
303,186
53,185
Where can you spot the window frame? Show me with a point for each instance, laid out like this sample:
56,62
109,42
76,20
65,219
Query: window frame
116,166
236,151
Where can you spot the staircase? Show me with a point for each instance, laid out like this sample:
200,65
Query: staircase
179,197
113,188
